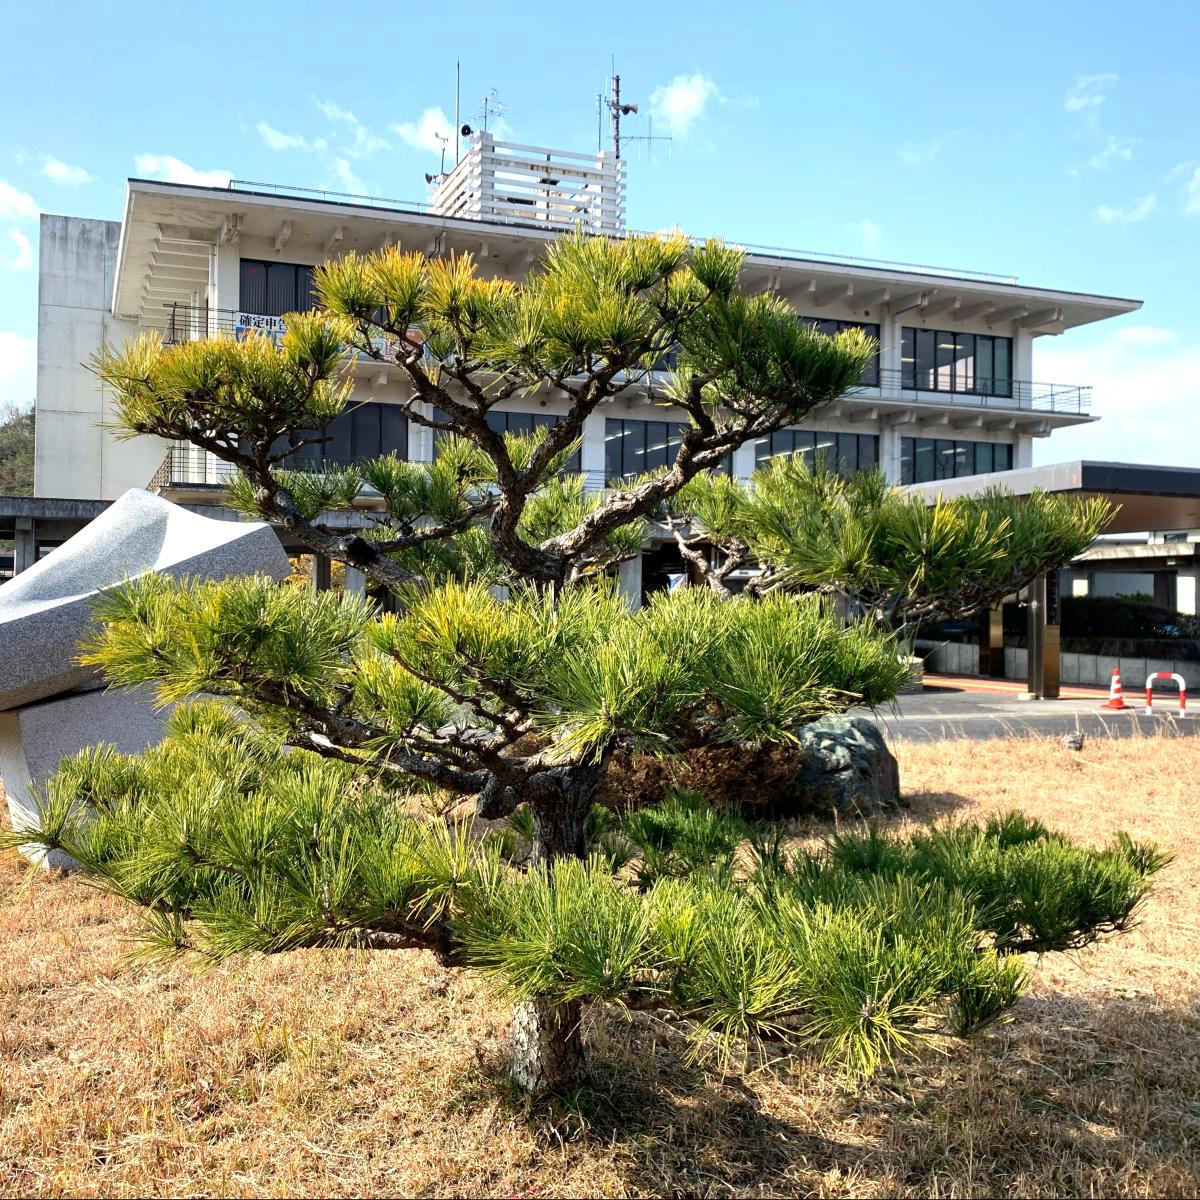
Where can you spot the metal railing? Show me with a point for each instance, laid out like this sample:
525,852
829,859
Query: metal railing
1075,399
190,467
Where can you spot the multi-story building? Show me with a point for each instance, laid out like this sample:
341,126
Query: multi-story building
952,392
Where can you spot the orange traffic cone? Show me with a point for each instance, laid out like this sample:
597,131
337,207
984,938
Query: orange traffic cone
1116,694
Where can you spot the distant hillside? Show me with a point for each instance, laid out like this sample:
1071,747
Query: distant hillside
16,451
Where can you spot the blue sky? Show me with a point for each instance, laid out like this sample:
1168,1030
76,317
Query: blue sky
1057,142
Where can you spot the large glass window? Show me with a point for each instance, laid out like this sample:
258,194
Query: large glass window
516,422
359,433
841,452
925,460
828,326
272,289
941,360
632,447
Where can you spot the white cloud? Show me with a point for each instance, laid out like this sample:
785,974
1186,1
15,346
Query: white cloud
16,205
334,112
1088,92
287,141
868,231
365,141
1144,391
680,104
174,170
347,178
919,154
23,259
1116,148
18,368
1143,335
1139,210
423,134
61,172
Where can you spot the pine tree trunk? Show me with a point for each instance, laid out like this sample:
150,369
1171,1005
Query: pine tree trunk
547,1043
547,1046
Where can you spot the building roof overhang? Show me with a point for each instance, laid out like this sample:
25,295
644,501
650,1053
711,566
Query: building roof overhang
169,232
1150,497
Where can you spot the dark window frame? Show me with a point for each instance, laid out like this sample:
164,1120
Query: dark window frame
930,361
931,460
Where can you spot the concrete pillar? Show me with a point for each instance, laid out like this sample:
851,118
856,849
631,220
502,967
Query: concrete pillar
1187,583
356,582
591,451
1023,450
629,581
889,451
743,460
321,572
24,545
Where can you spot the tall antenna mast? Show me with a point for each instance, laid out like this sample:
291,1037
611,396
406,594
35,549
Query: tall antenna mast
457,108
618,110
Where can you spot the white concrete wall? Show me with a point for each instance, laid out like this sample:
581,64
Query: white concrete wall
75,457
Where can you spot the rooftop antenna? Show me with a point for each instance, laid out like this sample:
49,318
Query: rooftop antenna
618,110
491,108
650,137
457,108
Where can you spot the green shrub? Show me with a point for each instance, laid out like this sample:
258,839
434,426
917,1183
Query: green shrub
864,948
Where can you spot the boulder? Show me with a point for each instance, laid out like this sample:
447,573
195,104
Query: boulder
846,767
45,611
50,705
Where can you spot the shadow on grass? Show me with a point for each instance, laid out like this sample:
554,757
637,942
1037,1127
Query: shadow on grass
1074,1097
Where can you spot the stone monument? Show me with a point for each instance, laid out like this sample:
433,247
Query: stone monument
50,706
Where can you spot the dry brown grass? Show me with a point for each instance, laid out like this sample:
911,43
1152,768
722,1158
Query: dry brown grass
340,1073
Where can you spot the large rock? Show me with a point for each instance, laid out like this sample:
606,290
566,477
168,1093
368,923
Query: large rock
35,739
45,611
846,767
841,765
50,706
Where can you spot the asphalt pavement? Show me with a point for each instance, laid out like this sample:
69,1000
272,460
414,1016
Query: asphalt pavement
979,709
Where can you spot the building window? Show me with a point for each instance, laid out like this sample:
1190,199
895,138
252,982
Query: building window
870,376
360,432
632,447
272,289
940,360
515,422
925,460
844,453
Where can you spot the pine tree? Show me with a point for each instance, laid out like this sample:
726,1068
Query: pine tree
518,702
899,559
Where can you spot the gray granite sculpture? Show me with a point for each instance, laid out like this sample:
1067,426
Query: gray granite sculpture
50,706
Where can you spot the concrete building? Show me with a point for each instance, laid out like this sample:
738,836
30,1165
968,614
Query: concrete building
953,393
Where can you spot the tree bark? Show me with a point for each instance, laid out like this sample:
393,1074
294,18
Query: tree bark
547,1045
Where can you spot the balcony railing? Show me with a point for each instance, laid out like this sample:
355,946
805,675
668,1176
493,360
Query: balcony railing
1070,398
189,467
184,323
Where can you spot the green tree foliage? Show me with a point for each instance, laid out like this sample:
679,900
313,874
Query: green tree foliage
900,559
16,451
509,669
865,948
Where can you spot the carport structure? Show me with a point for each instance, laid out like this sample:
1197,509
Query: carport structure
1149,498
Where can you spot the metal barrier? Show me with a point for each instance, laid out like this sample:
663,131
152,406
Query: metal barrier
1179,680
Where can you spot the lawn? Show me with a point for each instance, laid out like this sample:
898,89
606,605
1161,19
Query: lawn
345,1073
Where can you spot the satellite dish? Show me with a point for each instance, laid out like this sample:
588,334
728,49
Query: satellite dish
466,131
